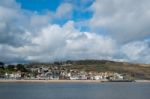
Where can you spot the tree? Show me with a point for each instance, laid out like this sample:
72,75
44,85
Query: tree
2,72
10,68
21,68
2,69
2,65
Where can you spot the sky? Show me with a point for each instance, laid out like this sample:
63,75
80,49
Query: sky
58,30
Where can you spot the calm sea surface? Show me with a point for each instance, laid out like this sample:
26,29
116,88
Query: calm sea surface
74,91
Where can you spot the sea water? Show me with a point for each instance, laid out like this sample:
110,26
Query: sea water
75,90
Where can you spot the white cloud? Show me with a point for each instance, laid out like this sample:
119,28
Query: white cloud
64,10
16,23
137,51
9,3
10,27
55,42
40,20
125,20
29,36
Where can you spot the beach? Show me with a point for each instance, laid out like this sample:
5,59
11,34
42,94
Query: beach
51,81
63,81
142,81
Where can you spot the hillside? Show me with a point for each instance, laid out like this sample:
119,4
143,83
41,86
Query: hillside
135,71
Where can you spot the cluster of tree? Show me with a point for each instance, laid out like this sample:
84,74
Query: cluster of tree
2,69
12,68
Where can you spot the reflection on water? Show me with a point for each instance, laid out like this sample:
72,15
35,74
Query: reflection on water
74,91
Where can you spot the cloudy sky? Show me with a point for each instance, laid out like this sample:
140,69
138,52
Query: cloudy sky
52,30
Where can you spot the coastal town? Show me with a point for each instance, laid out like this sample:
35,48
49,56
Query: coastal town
55,71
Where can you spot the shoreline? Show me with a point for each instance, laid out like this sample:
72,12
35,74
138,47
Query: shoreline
62,81
148,81
50,81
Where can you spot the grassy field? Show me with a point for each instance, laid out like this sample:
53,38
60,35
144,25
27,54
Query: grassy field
134,71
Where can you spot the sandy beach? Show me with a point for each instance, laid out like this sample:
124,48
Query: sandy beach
61,81
142,81
51,81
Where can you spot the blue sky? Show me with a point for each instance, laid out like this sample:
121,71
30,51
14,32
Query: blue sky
40,5
50,30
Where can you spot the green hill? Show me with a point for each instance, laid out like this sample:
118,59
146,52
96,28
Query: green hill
135,71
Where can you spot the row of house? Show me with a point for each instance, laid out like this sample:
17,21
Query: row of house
14,75
57,73
74,74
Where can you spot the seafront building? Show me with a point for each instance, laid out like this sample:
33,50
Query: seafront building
57,72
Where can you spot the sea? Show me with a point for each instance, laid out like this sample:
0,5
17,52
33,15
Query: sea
110,90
